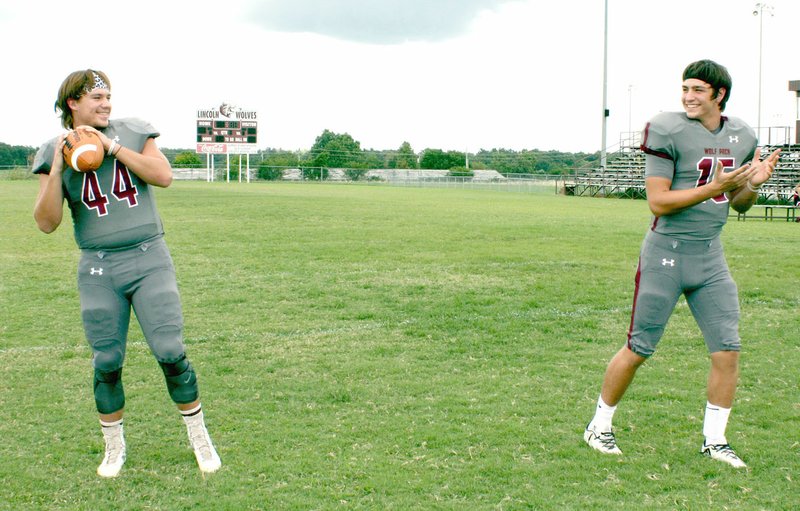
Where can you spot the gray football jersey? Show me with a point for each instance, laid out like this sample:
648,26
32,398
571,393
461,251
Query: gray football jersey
683,150
111,207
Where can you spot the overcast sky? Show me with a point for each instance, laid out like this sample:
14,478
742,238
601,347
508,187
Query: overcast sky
447,74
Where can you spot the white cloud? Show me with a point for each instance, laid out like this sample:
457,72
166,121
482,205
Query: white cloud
368,21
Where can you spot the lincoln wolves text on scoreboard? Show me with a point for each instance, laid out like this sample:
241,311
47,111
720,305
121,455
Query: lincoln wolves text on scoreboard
227,129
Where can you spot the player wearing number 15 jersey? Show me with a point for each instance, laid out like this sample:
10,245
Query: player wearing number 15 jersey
125,263
698,163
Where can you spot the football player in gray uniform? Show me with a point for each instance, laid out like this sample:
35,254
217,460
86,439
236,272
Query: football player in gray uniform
125,263
698,163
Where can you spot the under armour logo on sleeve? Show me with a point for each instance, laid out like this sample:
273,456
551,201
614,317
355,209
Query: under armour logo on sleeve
95,271
666,261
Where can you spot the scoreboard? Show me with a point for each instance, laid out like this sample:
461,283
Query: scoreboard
234,132
227,130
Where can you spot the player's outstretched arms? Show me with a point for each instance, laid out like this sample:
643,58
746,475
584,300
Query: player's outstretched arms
745,196
49,208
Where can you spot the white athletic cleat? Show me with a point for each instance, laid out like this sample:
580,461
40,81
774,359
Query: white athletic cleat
207,457
603,441
723,453
115,452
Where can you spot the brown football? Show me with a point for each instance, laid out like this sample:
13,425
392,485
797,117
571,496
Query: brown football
83,150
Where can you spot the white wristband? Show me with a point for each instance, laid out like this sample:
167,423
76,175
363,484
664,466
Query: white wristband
111,147
752,188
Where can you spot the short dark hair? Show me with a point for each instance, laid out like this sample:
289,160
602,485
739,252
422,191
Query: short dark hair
713,74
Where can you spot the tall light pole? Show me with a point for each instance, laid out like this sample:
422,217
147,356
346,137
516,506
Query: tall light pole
605,88
630,105
759,11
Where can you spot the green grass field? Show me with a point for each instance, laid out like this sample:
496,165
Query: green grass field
370,347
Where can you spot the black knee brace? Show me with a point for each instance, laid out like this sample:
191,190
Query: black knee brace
181,381
109,396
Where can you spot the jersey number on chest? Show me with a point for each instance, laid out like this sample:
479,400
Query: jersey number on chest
122,189
706,168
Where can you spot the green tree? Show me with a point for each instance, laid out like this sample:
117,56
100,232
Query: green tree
403,158
336,150
279,158
269,172
371,159
440,160
16,155
532,161
507,161
355,174
187,159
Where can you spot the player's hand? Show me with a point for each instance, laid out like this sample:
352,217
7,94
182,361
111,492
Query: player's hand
58,155
728,181
763,169
106,141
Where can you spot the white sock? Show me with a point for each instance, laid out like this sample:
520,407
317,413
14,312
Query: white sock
603,416
715,423
112,424
194,415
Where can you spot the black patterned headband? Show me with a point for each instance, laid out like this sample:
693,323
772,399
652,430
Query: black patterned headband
99,83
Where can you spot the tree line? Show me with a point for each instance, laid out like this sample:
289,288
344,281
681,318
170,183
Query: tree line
341,150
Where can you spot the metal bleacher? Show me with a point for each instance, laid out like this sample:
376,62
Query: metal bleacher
780,187
623,175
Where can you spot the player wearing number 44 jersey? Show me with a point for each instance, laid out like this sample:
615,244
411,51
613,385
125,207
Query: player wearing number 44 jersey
124,261
698,163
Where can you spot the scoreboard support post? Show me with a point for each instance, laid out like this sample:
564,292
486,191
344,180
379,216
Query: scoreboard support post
209,167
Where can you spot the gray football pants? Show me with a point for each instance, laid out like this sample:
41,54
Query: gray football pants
111,283
669,267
